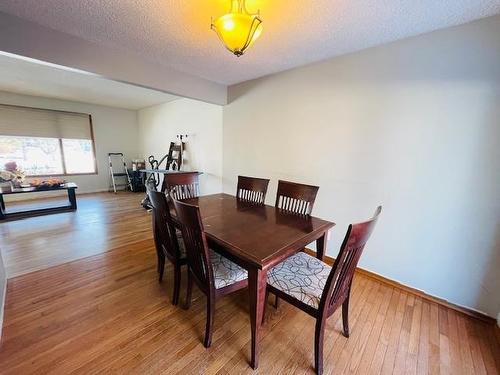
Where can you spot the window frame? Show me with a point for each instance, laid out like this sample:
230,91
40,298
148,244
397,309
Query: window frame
92,139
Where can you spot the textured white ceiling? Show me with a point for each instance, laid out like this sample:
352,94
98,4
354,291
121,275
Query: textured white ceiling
296,32
31,78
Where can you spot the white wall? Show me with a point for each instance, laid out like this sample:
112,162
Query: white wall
159,125
25,38
414,126
115,130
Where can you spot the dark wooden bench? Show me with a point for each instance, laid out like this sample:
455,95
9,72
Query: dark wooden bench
11,215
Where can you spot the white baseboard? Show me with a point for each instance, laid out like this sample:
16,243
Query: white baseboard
419,292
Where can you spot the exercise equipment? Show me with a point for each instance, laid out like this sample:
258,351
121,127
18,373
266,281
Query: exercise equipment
173,161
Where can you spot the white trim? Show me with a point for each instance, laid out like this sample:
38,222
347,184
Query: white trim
430,294
38,43
416,289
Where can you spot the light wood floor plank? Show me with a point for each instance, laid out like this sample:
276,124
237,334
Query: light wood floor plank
423,345
404,338
366,356
473,339
334,357
434,340
414,339
465,351
334,339
356,339
488,358
383,340
494,346
444,342
455,356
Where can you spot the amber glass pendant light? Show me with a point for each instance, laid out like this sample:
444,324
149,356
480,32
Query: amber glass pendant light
238,29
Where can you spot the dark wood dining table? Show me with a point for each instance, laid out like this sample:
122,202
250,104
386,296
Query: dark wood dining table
257,237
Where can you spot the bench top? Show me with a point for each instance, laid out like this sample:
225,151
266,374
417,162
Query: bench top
32,189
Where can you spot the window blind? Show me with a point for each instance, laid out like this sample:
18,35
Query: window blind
34,122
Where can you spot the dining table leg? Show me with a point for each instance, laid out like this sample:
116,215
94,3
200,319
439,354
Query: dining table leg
257,281
321,245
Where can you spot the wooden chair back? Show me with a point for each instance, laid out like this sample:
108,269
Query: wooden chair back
163,228
252,189
296,198
339,281
198,257
182,185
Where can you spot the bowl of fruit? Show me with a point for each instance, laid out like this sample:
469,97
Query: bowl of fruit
51,183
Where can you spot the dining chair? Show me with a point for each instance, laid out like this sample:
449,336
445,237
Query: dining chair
296,198
318,289
252,189
214,274
167,243
182,185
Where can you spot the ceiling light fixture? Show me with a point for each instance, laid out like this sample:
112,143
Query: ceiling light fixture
238,29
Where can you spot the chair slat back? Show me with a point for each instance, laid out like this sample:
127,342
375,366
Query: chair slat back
339,281
182,185
195,242
163,228
296,198
252,189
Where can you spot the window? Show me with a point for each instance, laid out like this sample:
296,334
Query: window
78,155
36,156
44,142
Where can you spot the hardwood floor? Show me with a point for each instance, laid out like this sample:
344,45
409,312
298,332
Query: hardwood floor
107,313
102,222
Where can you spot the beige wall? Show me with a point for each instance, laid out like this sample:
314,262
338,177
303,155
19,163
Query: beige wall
160,124
414,126
115,130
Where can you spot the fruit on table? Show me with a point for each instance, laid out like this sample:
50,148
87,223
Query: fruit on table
51,182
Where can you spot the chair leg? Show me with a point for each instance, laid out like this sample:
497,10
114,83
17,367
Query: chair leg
265,306
210,322
161,267
189,290
318,346
345,316
177,284
276,301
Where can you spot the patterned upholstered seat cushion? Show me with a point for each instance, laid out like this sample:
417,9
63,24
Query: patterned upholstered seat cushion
302,277
178,233
182,247
226,272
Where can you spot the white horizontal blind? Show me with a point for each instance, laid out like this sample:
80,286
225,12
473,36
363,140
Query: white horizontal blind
33,122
